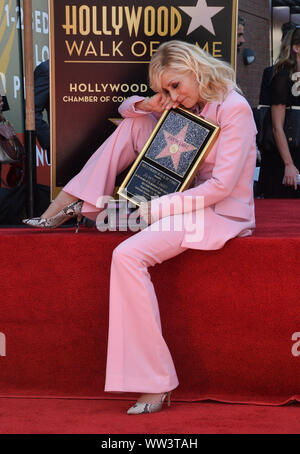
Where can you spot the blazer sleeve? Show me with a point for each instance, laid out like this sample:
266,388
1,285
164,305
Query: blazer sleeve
128,110
234,145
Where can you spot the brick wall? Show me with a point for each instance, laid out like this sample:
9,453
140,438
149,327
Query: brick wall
257,36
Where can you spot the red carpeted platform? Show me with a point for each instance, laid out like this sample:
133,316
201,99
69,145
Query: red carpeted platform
230,317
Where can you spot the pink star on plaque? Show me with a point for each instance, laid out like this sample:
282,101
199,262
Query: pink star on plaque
176,145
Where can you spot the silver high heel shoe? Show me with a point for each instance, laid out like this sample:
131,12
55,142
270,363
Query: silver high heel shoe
71,211
140,408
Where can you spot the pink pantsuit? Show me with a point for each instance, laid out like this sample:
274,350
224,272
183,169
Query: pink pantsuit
138,359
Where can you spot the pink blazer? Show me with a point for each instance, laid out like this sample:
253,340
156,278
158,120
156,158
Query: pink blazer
225,179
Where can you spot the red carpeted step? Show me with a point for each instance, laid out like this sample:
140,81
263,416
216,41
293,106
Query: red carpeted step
231,320
277,218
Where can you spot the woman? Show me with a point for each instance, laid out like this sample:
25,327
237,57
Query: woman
280,167
181,74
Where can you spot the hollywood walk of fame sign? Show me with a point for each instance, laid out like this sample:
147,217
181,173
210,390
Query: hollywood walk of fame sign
171,156
100,52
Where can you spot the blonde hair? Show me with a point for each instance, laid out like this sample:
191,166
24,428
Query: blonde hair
215,77
287,57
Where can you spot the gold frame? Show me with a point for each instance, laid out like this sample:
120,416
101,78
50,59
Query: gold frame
203,151
234,28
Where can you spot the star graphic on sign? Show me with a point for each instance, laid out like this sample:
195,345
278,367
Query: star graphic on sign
176,145
201,15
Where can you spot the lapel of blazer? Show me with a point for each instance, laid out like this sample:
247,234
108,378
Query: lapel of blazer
211,110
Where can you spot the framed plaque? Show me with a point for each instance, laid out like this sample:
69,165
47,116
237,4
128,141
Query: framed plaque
171,156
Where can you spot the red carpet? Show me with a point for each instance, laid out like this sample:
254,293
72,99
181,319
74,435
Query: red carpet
82,416
228,319
277,218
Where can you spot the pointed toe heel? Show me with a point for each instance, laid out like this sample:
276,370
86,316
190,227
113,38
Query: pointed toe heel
140,408
71,211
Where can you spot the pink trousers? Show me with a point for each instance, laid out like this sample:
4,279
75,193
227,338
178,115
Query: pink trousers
138,359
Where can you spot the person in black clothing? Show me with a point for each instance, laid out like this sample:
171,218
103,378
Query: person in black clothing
41,100
3,104
265,94
264,97
3,107
240,33
280,167
3,100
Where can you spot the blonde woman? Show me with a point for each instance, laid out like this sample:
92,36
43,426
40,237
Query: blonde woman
138,359
280,167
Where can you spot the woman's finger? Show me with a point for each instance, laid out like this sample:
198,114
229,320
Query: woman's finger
295,183
168,104
164,98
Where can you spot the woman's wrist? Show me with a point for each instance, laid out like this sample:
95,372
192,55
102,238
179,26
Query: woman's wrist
143,105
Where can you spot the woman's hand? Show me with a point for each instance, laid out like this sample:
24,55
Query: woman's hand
290,175
157,103
290,171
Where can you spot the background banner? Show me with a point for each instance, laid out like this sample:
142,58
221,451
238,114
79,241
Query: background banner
100,52
12,64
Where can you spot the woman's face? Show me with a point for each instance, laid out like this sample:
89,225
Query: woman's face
182,88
